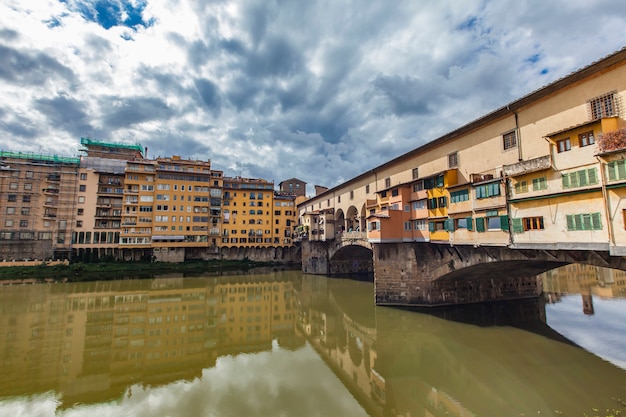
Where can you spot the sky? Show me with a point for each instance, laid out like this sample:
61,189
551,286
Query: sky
318,90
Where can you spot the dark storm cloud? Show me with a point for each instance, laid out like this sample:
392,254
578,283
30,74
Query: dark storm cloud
31,68
66,114
275,57
18,126
166,83
209,94
8,34
124,112
187,146
405,95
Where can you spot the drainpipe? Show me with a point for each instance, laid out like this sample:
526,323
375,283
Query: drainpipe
607,204
518,135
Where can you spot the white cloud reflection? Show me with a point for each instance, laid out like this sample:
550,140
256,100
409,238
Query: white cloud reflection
260,384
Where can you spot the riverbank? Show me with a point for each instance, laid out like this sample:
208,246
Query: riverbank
79,271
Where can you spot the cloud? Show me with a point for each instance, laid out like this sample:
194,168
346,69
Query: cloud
345,86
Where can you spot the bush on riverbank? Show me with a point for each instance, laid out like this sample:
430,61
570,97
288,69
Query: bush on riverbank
80,271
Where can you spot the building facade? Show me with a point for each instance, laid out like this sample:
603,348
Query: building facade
544,172
112,203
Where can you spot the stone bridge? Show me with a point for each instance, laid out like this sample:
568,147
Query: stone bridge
427,274
349,253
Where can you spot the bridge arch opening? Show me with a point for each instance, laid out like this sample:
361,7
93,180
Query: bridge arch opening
352,260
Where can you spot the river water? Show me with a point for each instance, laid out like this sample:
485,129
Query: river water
280,343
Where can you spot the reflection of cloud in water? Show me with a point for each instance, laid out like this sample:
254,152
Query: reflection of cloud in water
601,333
261,384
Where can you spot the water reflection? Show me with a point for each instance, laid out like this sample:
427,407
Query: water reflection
286,344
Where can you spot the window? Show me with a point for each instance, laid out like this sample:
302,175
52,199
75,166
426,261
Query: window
25,211
418,186
407,226
394,192
367,189
8,223
10,210
586,139
373,226
338,200
25,199
13,186
459,196
28,186
488,190
586,221
461,223
80,211
563,145
616,170
527,223
83,176
12,198
419,224
28,174
82,188
521,187
387,182
23,223
580,178
453,160
415,173
603,106
509,140
419,204
351,195
81,199
79,223
540,184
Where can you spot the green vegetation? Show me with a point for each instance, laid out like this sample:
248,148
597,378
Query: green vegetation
80,271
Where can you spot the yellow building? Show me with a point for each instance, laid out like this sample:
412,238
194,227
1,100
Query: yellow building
254,215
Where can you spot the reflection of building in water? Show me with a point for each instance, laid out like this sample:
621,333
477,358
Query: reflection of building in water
249,313
92,340
586,280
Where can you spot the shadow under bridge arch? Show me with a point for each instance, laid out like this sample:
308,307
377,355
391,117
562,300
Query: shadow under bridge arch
353,260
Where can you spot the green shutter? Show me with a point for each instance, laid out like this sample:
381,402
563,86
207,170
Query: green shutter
565,179
596,221
610,168
480,224
504,223
448,225
431,226
582,177
570,222
593,176
621,169
470,223
518,227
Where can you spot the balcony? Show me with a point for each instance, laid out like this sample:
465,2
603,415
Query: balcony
51,190
484,176
527,167
53,178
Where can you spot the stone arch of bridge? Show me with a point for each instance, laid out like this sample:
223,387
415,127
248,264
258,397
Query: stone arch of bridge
430,274
353,258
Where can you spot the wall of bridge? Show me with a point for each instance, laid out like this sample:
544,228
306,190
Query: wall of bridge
425,274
